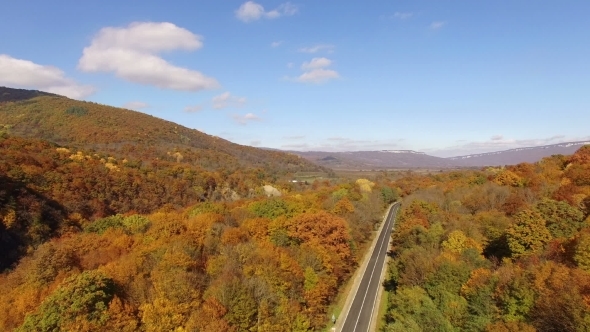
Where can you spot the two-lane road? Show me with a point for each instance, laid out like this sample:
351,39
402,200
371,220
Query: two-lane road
364,305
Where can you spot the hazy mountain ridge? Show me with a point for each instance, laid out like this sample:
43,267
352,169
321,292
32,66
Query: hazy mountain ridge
519,155
415,159
377,159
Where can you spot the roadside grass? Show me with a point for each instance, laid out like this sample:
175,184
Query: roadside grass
382,309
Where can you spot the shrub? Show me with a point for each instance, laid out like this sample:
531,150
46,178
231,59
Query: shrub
77,110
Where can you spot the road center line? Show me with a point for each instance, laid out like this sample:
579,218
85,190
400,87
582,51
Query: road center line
372,272
375,300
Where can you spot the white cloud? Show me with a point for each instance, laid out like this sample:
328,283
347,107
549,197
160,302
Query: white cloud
251,11
193,109
227,100
315,71
403,16
437,25
276,43
132,54
290,65
316,63
288,9
296,137
317,48
246,118
135,105
20,73
318,76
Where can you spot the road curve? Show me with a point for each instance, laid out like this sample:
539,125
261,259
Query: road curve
364,306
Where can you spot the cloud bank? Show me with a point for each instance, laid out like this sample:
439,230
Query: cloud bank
27,74
132,53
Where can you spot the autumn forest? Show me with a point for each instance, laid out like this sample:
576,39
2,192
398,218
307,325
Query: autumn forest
114,220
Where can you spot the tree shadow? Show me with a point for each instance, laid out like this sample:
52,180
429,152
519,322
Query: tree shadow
27,219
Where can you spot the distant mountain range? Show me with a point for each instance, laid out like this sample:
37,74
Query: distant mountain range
377,159
520,155
403,159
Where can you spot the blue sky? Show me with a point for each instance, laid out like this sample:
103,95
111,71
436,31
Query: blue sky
447,77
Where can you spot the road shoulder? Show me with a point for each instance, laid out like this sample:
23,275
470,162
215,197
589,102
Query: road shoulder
358,275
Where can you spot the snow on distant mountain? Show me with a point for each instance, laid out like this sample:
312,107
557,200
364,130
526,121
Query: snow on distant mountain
404,159
519,155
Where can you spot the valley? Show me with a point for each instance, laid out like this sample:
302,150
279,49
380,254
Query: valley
115,220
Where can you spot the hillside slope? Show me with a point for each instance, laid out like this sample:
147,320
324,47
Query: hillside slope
64,162
128,134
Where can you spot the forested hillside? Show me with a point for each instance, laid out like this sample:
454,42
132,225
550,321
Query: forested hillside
251,265
133,135
45,187
63,160
111,220
502,249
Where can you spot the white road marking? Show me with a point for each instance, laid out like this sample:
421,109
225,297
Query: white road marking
371,278
375,300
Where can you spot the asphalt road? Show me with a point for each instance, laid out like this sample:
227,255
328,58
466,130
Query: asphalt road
364,305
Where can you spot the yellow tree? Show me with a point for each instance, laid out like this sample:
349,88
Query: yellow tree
528,234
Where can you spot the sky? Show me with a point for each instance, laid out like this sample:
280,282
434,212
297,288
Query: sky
446,77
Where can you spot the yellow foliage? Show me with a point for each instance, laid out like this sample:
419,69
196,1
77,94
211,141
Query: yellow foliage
200,225
344,206
111,167
578,198
479,277
365,185
458,241
121,317
9,218
215,265
163,315
565,181
179,157
508,178
62,150
446,256
77,157
256,228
